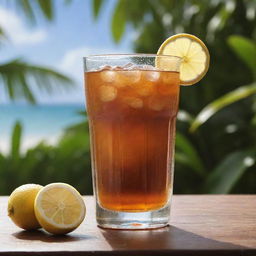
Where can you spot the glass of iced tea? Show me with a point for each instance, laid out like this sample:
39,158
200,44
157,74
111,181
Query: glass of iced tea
132,106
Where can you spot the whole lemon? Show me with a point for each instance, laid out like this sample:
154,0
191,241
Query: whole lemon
21,206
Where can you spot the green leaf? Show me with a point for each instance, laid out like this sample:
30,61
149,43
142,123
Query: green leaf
187,154
82,127
245,50
118,21
27,8
227,173
26,91
31,9
218,104
16,140
46,6
97,4
3,35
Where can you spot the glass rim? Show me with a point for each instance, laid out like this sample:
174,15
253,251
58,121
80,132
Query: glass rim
127,55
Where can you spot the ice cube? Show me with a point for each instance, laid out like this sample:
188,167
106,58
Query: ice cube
116,68
145,89
152,76
170,78
156,103
108,76
129,66
107,93
131,76
120,83
166,89
104,67
169,83
134,102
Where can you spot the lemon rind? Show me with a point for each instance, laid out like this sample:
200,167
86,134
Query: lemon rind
50,221
192,38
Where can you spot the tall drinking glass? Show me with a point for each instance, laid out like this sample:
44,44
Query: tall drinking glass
132,105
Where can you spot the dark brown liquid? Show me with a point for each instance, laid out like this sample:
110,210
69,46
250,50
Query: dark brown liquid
132,127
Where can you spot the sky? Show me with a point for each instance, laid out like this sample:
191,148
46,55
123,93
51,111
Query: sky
61,44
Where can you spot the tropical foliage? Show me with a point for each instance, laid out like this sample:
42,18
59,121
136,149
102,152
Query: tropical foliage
19,78
216,139
68,161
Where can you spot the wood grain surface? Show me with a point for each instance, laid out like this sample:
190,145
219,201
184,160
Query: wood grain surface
200,225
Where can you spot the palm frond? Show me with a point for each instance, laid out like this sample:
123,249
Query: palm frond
19,78
97,6
47,8
3,35
31,8
26,7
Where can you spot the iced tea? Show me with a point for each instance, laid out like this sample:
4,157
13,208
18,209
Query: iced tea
132,115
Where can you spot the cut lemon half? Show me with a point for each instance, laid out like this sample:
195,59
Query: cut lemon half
59,208
194,55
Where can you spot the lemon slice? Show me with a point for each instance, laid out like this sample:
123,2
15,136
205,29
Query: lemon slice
195,57
59,208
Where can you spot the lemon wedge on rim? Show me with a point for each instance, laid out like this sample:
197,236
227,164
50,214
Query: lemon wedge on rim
59,208
194,55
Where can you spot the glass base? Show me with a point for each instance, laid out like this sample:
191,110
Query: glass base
132,220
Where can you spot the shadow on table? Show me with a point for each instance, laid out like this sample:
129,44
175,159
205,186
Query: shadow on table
46,237
163,240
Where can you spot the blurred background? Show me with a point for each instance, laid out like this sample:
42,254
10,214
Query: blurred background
43,129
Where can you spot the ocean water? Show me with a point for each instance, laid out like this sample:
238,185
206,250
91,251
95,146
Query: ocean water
40,122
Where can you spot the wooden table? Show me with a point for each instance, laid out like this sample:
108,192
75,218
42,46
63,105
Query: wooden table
200,225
